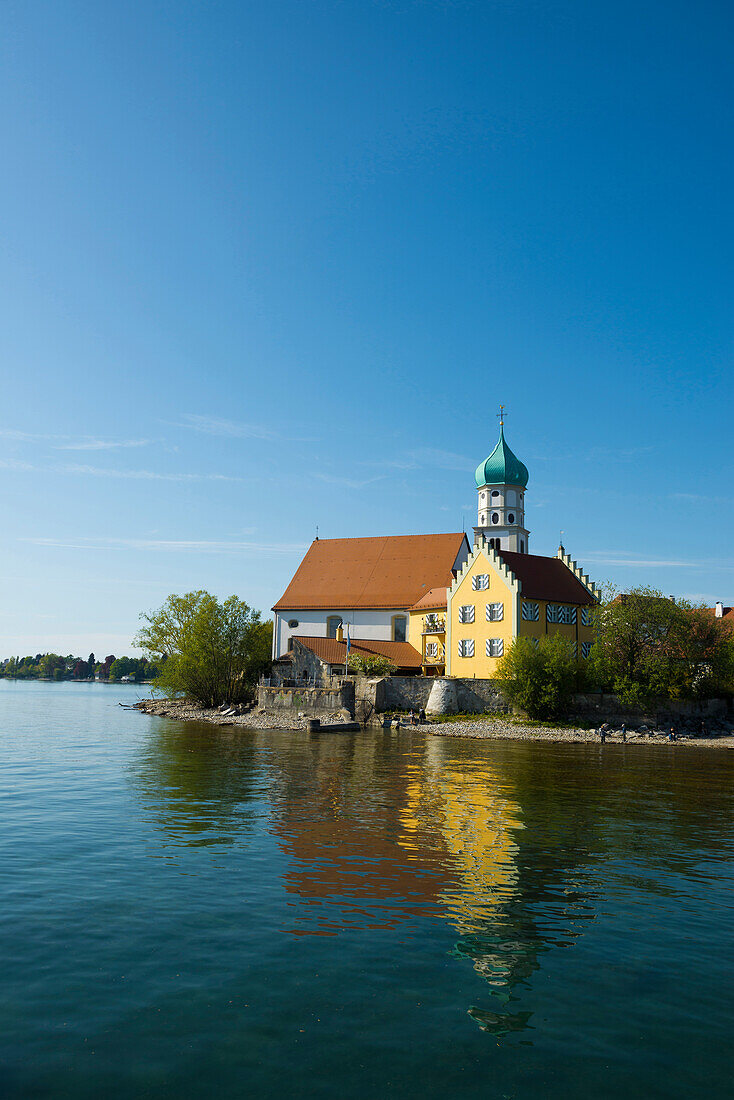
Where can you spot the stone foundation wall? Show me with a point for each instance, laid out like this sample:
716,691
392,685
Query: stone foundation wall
307,700
411,693
602,707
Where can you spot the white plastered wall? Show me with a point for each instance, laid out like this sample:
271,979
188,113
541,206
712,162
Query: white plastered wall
375,625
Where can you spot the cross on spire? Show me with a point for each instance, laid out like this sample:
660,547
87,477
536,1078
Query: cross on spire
501,415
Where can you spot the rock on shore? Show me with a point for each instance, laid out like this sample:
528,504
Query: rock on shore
480,728
186,711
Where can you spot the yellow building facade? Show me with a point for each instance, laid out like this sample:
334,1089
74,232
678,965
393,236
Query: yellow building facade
499,596
427,631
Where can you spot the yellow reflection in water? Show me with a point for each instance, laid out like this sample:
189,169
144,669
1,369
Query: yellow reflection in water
465,802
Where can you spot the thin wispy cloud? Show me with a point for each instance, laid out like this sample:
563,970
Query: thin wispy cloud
234,429
346,482
102,444
390,463
700,498
75,469
198,546
70,442
628,557
231,429
422,457
442,460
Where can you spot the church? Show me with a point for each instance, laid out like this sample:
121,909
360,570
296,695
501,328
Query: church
436,604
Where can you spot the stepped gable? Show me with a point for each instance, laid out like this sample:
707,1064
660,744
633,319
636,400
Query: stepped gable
332,652
391,571
546,578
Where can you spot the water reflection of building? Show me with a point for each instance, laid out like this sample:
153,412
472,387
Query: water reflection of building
393,829
476,821
337,804
399,831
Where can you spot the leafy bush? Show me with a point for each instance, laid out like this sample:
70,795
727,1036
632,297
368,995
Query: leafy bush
541,680
208,651
651,647
371,664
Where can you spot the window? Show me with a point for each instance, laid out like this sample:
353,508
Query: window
495,612
293,623
466,647
530,611
495,647
466,613
480,582
522,547
332,625
585,650
494,543
431,649
483,521
558,613
511,517
495,517
495,494
399,628
586,616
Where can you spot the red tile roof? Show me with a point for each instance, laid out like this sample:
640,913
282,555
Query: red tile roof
391,571
333,652
727,616
546,578
432,600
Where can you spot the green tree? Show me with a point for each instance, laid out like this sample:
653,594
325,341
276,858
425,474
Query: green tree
210,651
651,647
123,666
371,664
540,679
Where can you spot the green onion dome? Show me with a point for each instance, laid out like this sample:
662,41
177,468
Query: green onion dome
502,467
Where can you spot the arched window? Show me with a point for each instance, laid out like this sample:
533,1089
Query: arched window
332,625
495,517
399,628
522,546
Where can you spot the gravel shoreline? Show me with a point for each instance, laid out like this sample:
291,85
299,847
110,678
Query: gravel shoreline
487,729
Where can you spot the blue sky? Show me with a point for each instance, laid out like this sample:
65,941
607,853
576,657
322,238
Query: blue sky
276,264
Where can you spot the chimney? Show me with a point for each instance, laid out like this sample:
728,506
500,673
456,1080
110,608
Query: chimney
340,634
719,610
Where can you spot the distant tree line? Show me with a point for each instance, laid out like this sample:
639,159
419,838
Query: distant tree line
53,666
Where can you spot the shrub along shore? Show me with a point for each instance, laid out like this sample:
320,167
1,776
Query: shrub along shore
482,727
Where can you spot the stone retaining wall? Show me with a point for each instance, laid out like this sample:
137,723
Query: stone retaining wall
307,700
411,693
603,707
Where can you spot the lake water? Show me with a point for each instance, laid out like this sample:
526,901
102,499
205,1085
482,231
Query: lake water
193,912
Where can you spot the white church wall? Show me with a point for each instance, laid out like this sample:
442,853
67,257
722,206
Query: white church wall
375,625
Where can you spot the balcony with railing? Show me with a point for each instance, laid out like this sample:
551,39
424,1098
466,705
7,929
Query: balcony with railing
434,653
434,624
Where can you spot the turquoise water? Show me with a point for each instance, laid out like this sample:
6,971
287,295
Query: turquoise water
189,911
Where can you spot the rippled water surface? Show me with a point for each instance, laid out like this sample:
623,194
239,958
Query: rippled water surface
189,911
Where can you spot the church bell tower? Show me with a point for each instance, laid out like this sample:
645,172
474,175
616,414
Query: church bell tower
501,482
